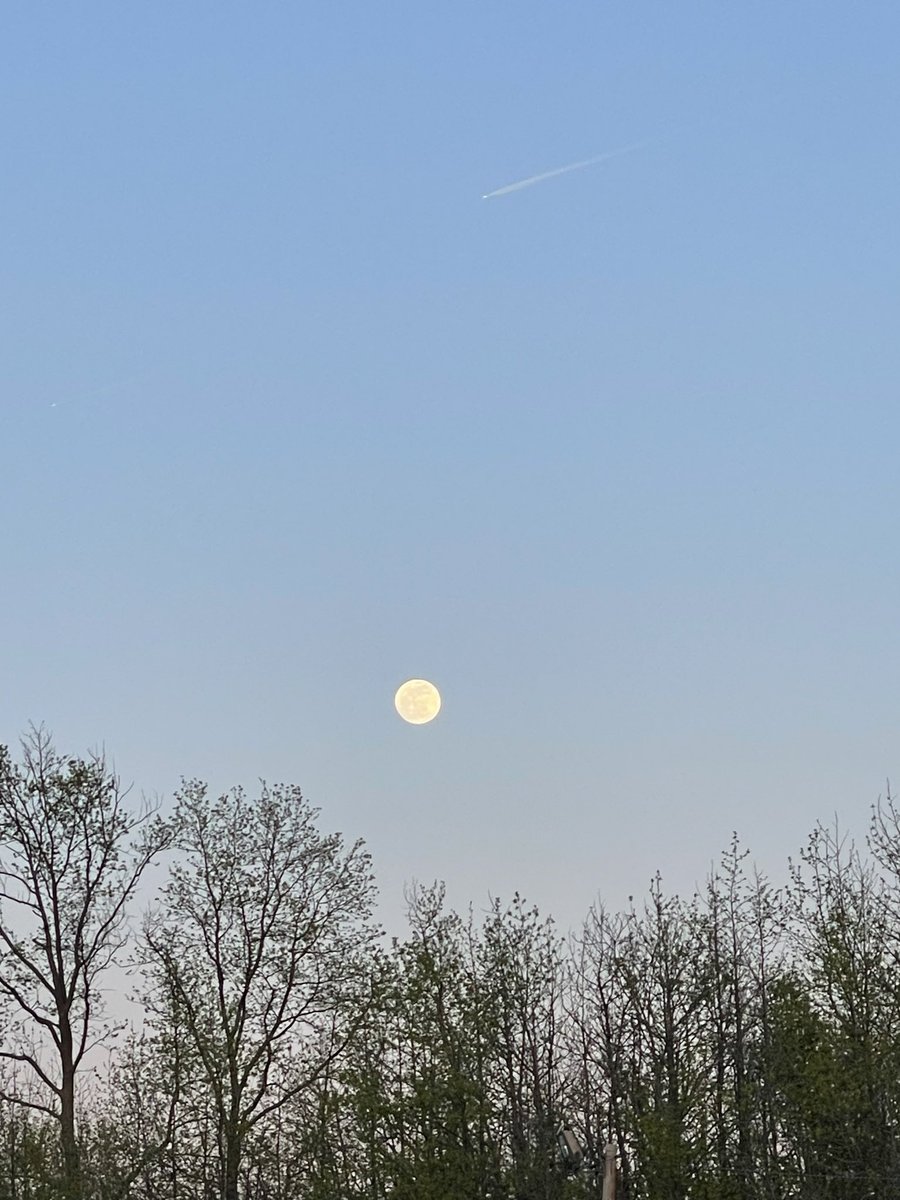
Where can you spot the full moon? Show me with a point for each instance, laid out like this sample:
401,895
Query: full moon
417,701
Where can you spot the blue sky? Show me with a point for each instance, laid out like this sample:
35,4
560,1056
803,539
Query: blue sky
290,414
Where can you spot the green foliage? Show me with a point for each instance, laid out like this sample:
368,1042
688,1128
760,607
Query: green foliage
741,1044
71,858
258,952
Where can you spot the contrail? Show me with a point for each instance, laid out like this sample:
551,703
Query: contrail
576,166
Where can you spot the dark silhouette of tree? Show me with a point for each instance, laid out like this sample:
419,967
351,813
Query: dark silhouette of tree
260,942
71,857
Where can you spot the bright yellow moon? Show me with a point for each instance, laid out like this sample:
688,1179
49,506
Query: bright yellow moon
417,701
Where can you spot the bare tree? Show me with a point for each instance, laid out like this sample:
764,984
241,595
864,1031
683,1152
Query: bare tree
71,857
260,939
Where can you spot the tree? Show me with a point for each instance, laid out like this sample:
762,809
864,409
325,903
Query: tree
438,1045
841,1003
520,964
260,942
658,968
600,1032
740,924
71,858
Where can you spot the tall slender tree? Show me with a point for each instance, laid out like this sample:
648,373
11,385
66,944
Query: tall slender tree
71,858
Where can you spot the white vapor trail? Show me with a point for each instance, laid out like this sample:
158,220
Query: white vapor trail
576,166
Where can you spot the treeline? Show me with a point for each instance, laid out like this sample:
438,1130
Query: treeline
742,1043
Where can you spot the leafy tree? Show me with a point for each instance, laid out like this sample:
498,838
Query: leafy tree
260,944
841,997
741,925
599,1032
523,980
71,858
415,1119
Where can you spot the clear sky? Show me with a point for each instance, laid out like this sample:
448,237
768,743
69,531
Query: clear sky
290,414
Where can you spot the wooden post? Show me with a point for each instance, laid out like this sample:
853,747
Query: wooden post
609,1173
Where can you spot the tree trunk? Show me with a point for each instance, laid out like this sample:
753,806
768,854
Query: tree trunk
68,1142
232,1163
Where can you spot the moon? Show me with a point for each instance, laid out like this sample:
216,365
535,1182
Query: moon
417,701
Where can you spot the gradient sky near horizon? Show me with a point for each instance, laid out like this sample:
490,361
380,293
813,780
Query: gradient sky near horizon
290,414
